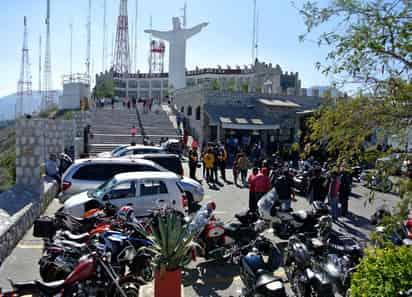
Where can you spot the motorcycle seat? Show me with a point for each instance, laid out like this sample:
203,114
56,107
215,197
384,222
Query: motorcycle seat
72,244
300,216
75,237
265,278
240,232
29,287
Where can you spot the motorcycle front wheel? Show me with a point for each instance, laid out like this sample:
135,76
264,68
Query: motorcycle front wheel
130,289
308,289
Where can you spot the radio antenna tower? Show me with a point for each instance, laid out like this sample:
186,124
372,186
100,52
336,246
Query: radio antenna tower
47,100
157,53
71,51
24,90
136,37
122,50
254,33
89,41
104,56
40,64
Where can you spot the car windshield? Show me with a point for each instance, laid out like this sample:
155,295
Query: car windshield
103,189
117,149
119,152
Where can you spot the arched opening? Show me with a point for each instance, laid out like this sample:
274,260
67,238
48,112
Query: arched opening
198,113
182,109
189,110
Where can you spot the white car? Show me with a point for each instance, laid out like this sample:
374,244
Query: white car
144,190
137,149
88,174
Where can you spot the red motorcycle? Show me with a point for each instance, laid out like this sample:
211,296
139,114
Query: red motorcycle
93,276
218,240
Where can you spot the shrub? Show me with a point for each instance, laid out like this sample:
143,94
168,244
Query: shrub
383,273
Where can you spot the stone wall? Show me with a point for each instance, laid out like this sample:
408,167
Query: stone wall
19,207
36,139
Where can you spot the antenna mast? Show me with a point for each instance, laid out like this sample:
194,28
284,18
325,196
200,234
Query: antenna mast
104,56
40,64
89,40
254,34
136,36
122,48
71,51
184,16
24,87
47,100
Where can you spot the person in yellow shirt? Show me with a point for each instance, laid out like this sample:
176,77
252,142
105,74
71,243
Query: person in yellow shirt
209,160
222,157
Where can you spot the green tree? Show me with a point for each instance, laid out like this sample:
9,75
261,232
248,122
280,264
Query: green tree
215,85
371,48
245,87
105,89
383,273
231,85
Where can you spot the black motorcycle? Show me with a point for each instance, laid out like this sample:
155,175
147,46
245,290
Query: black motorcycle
286,223
306,277
256,273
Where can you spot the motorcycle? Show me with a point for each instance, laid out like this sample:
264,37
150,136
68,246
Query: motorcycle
306,277
301,181
216,239
400,235
256,273
286,223
93,276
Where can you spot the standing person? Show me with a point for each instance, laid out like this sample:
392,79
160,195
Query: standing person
333,193
317,186
284,188
178,120
345,190
222,157
209,160
250,181
261,185
193,160
112,103
215,152
128,104
133,132
52,169
243,165
235,169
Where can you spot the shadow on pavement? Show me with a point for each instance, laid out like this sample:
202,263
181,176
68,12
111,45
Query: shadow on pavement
208,277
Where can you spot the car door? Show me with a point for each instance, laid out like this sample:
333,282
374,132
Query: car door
153,193
122,193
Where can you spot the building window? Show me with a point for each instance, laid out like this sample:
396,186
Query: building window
198,113
189,110
182,109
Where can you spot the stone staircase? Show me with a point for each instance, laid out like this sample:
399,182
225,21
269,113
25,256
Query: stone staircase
158,125
111,127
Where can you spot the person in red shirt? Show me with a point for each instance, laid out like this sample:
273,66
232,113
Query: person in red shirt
252,203
261,185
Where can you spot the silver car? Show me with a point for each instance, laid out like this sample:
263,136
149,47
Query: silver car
129,150
88,174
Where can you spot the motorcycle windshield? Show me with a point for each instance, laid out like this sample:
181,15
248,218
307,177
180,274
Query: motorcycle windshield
267,202
200,220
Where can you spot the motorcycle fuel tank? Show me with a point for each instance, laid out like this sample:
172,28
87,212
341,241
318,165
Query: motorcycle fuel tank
83,271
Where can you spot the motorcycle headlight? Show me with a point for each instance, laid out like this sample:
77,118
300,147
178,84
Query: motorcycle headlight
275,286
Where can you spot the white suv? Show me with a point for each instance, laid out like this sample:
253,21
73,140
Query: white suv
130,150
88,174
144,190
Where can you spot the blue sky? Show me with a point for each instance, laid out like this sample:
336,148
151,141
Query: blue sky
226,41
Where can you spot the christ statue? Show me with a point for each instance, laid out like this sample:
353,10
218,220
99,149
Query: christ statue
177,52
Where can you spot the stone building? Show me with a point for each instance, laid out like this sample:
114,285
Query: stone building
269,119
261,77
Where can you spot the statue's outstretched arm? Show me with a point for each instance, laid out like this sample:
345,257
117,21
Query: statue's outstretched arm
195,30
165,35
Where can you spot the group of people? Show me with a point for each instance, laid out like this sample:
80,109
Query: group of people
335,186
213,157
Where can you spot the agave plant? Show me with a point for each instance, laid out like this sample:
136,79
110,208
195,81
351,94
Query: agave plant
172,242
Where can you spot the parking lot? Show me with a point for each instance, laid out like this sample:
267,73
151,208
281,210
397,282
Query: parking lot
204,278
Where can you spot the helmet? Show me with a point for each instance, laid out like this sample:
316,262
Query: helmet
408,225
125,213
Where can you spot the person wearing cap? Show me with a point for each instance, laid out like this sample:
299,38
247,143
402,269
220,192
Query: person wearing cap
222,157
209,160
193,160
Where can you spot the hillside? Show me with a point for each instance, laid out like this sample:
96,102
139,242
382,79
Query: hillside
7,157
8,105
